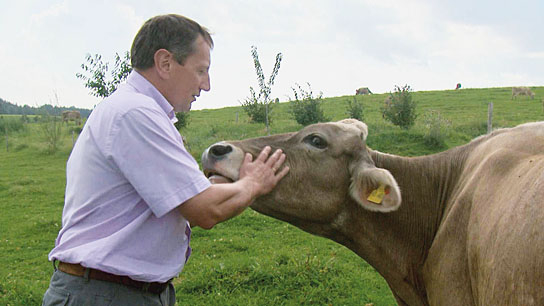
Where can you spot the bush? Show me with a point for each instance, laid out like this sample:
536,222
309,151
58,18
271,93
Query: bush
52,132
355,109
400,109
256,109
437,129
183,120
75,129
306,109
10,124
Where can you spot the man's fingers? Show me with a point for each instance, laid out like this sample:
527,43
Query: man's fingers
274,161
264,154
271,162
248,158
282,173
277,164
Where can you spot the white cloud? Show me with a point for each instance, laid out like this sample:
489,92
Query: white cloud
473,41
536,55
55,10
127,14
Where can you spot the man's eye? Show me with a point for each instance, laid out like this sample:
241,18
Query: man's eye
316,141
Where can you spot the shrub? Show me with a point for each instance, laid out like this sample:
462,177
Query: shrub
256,109
306,109
183,120
400,110
355,109
10,124
437,129
52,132
75,129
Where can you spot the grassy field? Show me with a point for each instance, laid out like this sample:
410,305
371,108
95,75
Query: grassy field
252,259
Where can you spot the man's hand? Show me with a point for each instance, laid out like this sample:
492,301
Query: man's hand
221,202
262,174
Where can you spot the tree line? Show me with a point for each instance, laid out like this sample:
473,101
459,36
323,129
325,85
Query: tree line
13,109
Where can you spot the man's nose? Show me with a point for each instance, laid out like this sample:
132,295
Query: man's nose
206,84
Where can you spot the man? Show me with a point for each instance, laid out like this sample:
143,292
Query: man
132,189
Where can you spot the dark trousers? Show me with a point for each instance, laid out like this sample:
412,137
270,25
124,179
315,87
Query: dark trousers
66,289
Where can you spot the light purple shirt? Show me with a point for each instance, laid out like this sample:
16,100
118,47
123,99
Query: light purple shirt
125,176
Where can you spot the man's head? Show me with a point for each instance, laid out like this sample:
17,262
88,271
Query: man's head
173,53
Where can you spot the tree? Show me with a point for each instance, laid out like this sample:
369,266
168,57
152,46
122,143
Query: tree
258,107
97,81
95,74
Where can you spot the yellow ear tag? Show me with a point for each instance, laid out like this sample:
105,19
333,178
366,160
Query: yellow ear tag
376,196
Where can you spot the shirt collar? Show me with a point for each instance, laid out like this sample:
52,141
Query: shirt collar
143,86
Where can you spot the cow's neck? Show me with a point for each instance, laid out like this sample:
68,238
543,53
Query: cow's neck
397,243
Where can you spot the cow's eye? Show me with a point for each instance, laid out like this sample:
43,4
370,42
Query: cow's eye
316,141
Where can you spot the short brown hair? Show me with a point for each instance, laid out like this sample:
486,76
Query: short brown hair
172,32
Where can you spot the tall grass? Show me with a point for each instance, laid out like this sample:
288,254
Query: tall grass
251,259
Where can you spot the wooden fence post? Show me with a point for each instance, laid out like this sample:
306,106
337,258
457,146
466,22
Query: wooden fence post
489,117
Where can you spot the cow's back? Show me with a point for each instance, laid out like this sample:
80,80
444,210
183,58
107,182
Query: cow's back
506,227
494,225
506,236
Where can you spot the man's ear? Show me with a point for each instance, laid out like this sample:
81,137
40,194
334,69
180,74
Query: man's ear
375,189
163,62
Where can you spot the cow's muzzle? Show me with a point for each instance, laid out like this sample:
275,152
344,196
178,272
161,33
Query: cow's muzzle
222,161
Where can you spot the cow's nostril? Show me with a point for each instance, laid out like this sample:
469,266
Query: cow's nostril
220,150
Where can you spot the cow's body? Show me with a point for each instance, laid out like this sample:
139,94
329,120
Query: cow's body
470,230
522,91
71,116
363,91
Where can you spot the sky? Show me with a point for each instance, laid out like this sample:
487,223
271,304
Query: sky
335,46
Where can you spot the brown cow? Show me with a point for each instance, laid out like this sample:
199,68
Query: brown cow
71,116
470,230
522,91
363,91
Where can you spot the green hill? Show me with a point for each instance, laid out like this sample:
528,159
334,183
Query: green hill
465,109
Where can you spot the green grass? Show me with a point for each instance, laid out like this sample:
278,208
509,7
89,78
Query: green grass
251,259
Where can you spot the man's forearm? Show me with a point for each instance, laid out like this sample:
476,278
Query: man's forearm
218,203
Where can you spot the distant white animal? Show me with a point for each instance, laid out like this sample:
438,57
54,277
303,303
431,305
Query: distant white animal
522,91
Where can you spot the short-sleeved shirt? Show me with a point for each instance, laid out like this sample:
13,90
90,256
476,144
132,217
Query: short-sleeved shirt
127,173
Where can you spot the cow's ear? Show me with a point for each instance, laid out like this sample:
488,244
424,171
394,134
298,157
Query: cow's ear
363,128
375,189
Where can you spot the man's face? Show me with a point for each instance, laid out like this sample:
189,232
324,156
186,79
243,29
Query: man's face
187,80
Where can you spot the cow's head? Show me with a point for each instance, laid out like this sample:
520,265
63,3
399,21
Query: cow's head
330,166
